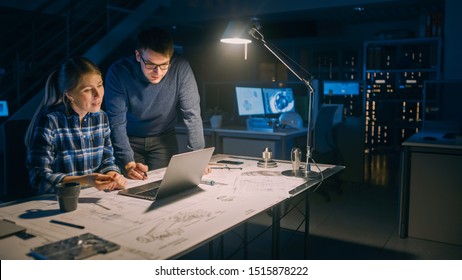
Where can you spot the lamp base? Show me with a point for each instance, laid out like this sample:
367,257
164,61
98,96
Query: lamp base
302,174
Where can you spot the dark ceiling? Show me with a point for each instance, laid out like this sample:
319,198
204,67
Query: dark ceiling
200,11
278,18
285,20
196,20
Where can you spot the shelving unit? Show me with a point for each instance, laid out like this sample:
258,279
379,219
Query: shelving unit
337,65
340,65
394,75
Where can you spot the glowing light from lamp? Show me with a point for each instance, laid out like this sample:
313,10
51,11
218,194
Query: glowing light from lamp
235,33
237,41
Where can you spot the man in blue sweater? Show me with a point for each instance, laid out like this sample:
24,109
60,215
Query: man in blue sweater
142,94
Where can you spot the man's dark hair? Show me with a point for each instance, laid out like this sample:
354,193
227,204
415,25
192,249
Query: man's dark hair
156,39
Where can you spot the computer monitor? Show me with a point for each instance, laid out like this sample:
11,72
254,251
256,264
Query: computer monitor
331,88
442,103
278,100
250,101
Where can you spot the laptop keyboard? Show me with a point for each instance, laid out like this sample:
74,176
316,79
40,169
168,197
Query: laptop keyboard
149,193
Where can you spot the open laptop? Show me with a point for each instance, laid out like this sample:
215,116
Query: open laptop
184,172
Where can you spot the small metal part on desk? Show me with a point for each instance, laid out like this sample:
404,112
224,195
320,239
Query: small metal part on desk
267,161
295,156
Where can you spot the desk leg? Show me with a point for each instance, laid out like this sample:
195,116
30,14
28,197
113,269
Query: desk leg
307,225
276,229
404,194
211,255
222,247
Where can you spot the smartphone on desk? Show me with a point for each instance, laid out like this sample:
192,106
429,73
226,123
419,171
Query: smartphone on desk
230,162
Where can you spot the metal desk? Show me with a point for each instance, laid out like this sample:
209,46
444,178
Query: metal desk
165,229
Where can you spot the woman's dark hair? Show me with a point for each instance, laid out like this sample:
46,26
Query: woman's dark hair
60,81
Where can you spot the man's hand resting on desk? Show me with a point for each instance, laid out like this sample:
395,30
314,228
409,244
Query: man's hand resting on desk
136,171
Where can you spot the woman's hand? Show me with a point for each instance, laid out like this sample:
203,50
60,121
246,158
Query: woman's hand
118,179
111,181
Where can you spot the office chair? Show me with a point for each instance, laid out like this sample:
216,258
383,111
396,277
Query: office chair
16,176
349,136
323,134
324,148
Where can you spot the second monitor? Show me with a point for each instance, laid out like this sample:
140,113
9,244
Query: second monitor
278,100
331,88
253,101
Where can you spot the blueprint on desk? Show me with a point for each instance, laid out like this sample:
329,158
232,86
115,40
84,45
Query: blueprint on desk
146,230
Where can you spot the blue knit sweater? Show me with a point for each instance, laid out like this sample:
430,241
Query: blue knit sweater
138,108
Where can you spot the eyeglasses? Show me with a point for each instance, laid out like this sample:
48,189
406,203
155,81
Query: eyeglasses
152,66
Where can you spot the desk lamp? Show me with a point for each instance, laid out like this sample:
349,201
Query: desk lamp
237,33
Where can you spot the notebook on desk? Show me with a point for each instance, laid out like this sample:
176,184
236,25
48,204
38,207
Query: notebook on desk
184,172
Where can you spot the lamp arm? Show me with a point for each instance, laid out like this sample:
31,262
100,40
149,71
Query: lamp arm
255,33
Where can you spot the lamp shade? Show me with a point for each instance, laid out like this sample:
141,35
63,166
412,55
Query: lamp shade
236,33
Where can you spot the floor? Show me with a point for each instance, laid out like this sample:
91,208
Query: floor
354,222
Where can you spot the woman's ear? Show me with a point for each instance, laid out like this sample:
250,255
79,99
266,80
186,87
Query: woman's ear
71,99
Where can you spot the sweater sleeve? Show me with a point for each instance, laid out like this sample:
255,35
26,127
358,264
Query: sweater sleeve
116,108
190,107
108,160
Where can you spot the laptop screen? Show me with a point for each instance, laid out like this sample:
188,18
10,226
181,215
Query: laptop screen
183,172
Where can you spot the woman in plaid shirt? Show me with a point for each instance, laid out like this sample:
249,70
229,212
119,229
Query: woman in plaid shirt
68,139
